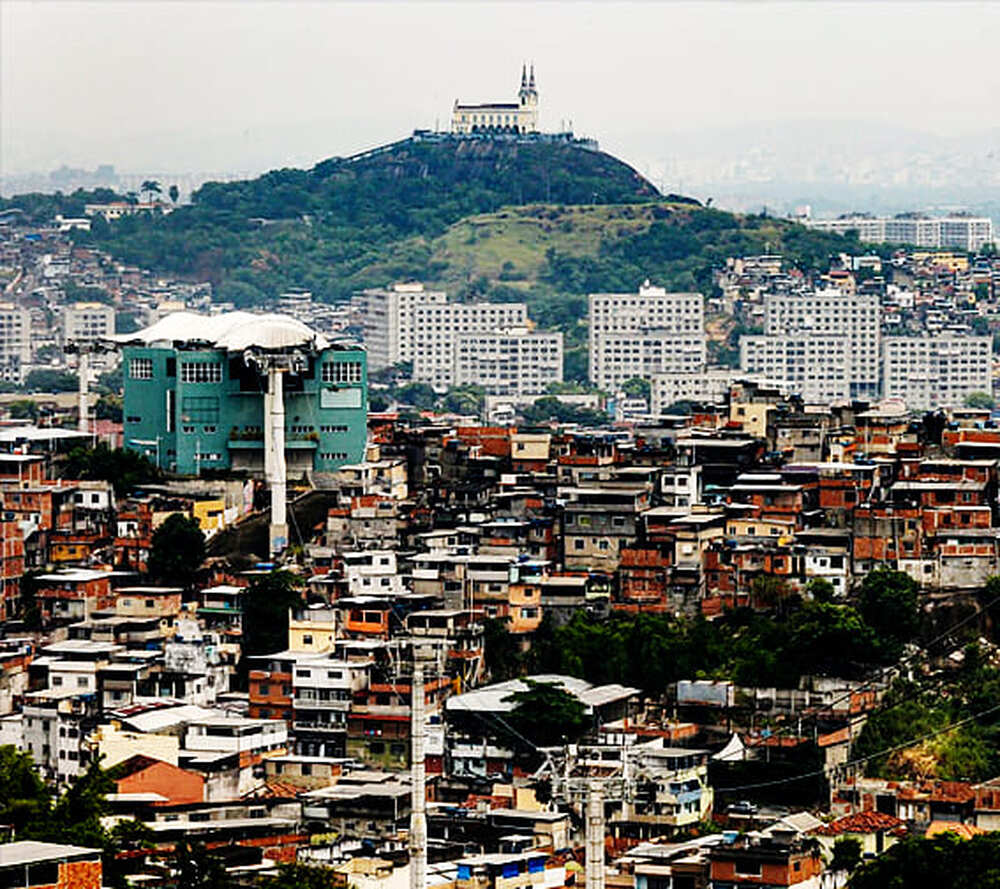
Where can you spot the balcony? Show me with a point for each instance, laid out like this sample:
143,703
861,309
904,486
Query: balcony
307,725
318,704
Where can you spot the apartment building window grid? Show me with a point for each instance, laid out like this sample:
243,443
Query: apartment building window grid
341,372
201,372
141,368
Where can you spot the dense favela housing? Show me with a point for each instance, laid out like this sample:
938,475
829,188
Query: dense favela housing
379,593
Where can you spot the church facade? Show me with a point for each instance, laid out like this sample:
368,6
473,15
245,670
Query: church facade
501,117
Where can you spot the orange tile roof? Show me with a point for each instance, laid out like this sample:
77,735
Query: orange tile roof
860,822
964,831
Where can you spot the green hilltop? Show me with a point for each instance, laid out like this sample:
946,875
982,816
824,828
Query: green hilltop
541,221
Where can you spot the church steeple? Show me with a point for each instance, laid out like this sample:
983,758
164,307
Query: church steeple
531,80
524,77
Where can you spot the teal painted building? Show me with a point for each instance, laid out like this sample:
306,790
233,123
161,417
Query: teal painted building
193,401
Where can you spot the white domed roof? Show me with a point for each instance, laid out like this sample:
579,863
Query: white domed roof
232,331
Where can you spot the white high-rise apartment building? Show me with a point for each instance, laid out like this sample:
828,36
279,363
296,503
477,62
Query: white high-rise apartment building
929,372
827,313
387,321
514,362
711,386
437,329
643,334
86,322
970,233
815,366
15,342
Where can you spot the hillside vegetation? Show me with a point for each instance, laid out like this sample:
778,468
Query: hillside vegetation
543,223
324,228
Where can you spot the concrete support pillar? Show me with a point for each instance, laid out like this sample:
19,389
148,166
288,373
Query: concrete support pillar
594,867
275,449
83,369
418,818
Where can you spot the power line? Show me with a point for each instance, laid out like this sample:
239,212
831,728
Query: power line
861,759
922,651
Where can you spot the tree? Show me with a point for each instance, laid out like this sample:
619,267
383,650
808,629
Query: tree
300,876
768,591
846,854
177,551
150,187
241,294
546,714
944,860
111,381
123,468
125,323
109,407
265,611
76,815
820,589
980,401
637,387
197,868
174,193
24,409
43,379
501,650
888,602
420,395
467,399
24,799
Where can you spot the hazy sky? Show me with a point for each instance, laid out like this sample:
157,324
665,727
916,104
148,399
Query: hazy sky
179,86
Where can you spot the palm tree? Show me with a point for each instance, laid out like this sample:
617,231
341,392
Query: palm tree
149,188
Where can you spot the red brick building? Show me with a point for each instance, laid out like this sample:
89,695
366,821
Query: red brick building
49,866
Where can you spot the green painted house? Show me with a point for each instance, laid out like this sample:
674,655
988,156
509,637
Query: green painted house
195,394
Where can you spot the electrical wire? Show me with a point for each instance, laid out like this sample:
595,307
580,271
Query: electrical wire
862,759
923,650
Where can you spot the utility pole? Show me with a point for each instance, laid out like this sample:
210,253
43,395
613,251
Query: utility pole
418,802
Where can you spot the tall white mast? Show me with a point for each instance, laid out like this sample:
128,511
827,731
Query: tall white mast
594,866
275,450
418,817
82,369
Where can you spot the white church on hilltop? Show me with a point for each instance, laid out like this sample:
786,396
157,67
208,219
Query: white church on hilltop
513,117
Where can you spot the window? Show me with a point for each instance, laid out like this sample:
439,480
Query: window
341,372
307,639
201,372
141,368
748,868
200,408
